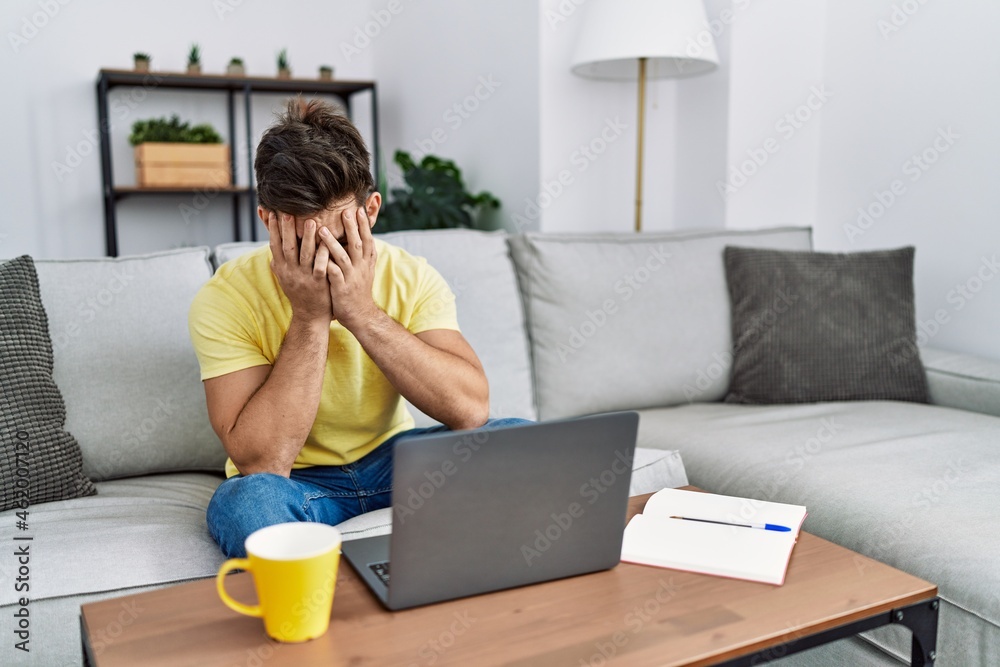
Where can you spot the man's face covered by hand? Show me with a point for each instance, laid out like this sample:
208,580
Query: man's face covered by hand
333,216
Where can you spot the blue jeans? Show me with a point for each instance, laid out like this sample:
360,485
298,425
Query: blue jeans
324,494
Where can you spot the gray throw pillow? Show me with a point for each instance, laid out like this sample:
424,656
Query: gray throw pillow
811,327
40,462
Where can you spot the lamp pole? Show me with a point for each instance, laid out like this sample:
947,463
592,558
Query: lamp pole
638,151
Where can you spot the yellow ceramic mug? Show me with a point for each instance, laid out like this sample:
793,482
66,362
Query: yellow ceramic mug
294,568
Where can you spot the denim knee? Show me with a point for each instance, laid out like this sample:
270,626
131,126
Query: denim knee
242,505
506,421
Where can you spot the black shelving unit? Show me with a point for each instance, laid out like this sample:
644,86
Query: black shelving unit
230,85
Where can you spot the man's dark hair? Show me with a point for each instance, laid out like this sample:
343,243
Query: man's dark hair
311,158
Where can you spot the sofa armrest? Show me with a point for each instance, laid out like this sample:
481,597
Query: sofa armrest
962,381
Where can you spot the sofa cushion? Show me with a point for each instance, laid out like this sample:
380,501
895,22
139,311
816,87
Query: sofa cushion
478,269
911,485
224,252
962,381
125,364
134,532
818,326
625,321
41,461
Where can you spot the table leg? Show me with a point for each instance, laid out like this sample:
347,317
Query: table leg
922,620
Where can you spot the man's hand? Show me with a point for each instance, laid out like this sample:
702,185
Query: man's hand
301,273
351,271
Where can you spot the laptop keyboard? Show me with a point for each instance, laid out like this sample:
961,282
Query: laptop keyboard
381,571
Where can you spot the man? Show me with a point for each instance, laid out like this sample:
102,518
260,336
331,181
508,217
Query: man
308,345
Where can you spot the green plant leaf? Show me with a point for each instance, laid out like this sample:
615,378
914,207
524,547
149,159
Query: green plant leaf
172,131
434,196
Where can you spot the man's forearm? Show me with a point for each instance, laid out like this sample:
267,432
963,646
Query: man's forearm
273,426
441,385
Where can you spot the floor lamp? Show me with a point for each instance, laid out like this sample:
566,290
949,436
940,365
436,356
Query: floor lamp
629,39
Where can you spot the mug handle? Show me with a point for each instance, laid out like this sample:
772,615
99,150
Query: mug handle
220,585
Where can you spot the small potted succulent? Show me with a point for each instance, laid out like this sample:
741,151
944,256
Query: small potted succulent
141,61
235,67
194,60
284,70
325,73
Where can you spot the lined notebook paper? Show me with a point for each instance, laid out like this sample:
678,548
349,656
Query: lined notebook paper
653,538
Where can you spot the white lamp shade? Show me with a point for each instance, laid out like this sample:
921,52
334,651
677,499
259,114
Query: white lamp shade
673,35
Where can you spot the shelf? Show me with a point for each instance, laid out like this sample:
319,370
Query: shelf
128,191
154,79
233,87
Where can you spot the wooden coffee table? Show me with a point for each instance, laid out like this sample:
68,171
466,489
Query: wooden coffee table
630,615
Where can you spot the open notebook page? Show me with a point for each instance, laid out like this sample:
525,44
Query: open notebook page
653,538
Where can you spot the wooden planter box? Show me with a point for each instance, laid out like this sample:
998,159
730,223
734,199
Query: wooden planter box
181,165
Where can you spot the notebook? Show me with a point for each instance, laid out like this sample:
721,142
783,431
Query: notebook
755,554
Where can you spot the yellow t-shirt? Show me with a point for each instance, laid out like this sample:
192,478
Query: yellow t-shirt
240,317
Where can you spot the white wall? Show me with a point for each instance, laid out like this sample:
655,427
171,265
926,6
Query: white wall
597,188
460,81
905,81
52,111
889,87
702,118
892,81
426,57
777,101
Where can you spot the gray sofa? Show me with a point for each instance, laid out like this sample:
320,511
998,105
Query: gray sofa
565,325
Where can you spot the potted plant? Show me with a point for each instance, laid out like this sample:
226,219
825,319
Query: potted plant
434,197
141,61
194,60
235,67
284,70
325,73
171,153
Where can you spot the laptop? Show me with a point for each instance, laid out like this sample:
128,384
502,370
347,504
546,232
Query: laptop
480,511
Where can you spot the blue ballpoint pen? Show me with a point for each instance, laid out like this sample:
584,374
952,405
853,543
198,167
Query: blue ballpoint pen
761,526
